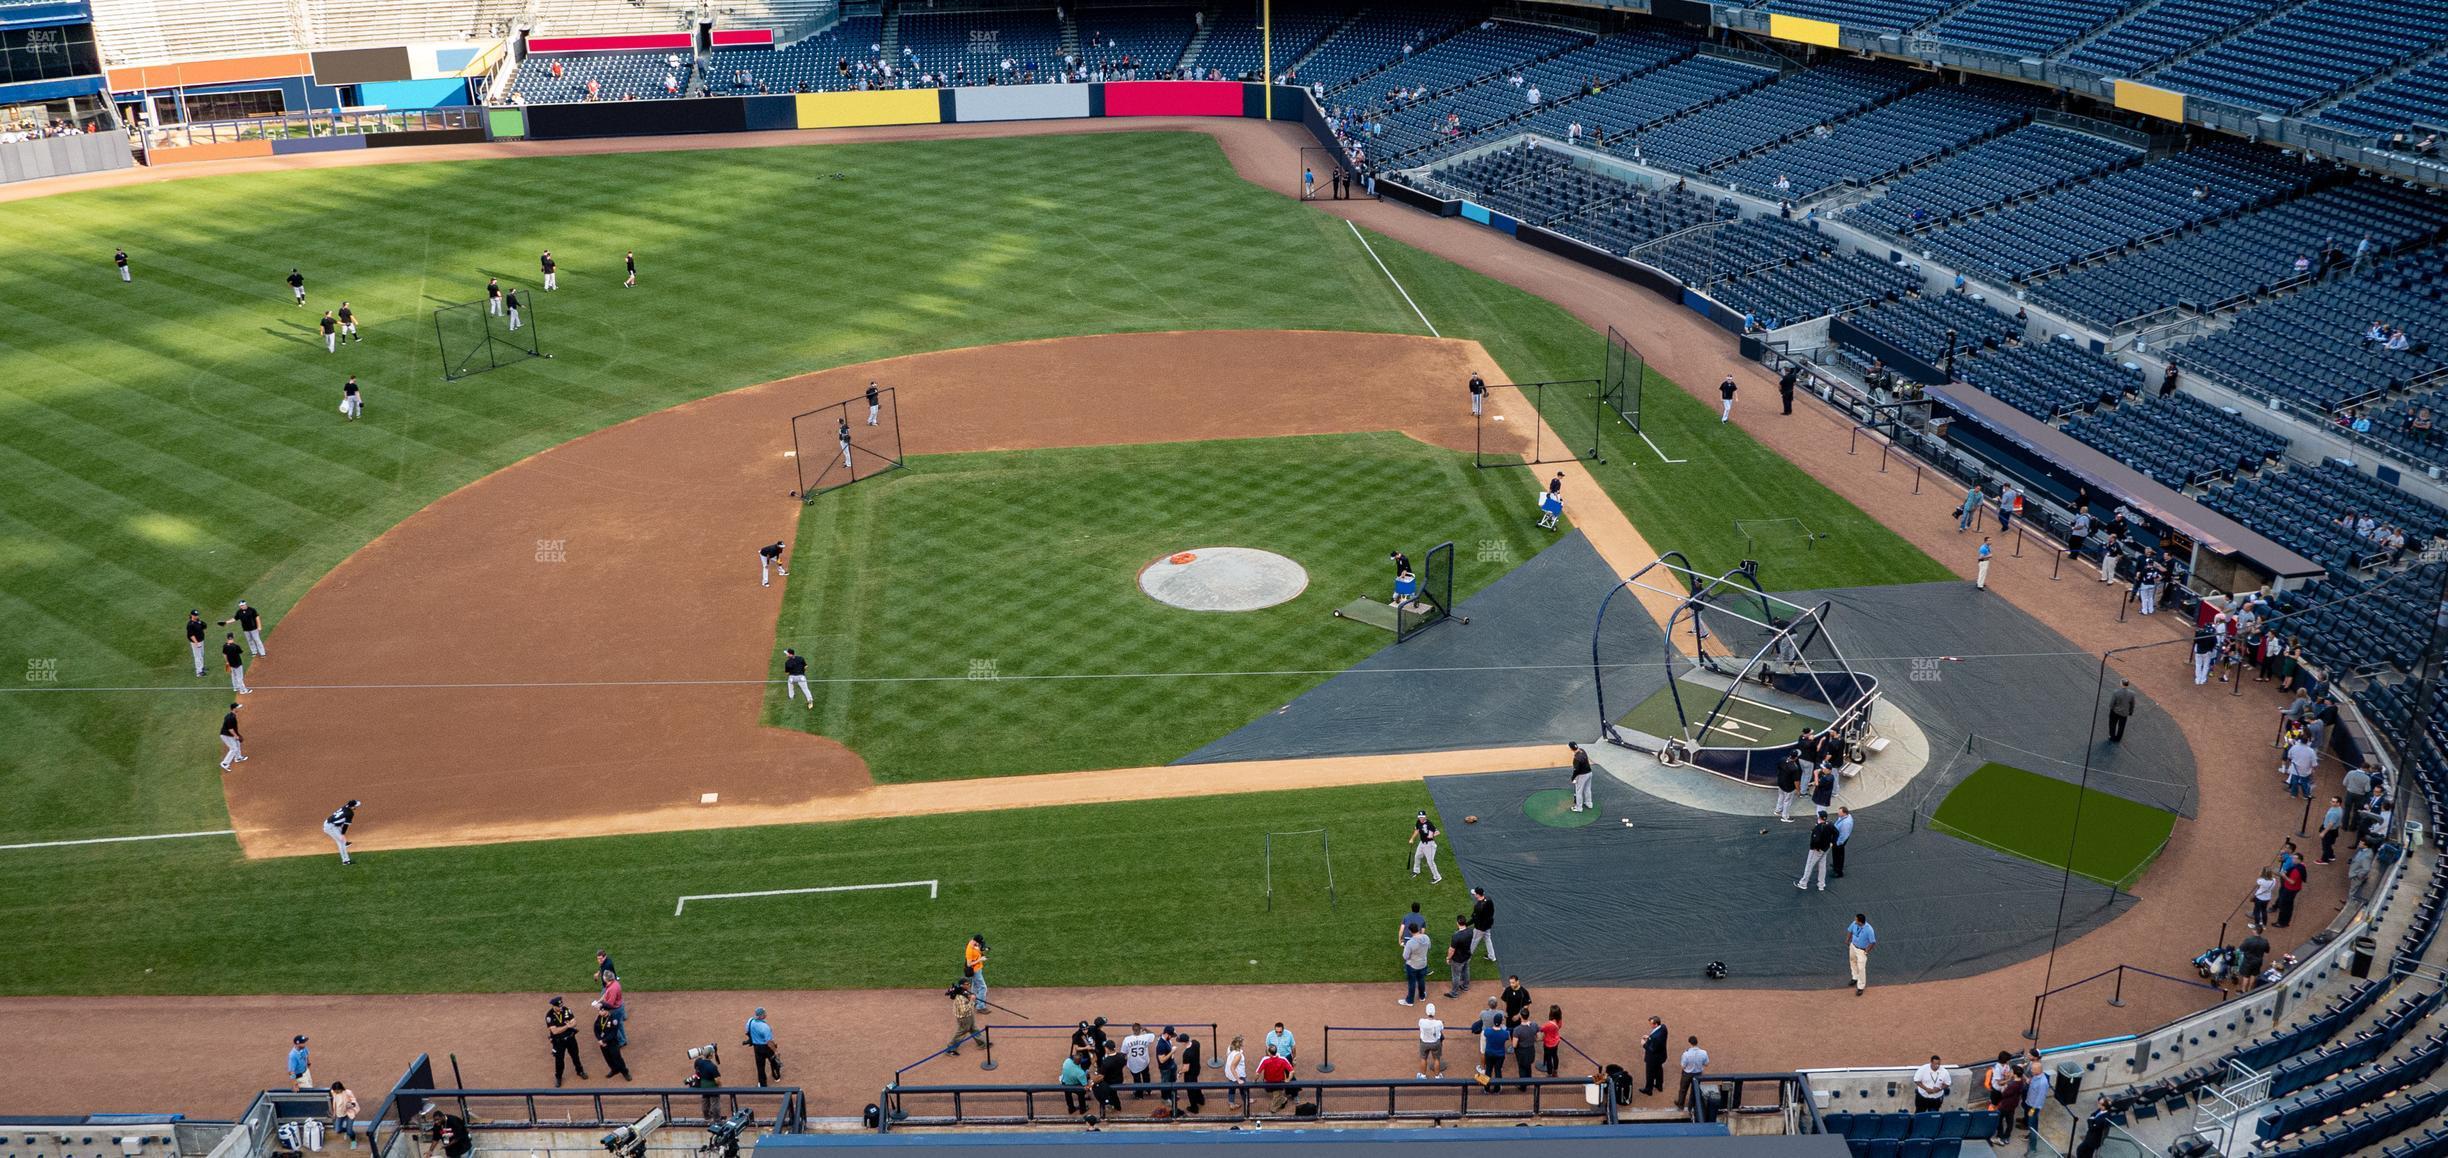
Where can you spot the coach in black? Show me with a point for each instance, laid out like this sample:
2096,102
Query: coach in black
195,639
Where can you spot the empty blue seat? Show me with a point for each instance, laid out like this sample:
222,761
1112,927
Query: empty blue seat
1893,1126
1954,1124
1882,1148
1947,1148
1984,1124
1918,1148
1925,1125
1838,1124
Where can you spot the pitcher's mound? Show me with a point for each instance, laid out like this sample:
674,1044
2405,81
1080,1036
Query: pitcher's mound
1223,579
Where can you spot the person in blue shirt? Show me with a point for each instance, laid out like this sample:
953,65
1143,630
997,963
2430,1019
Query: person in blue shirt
761,1042
1980,573
301,1064
1860,938
1844,836
1494,1038
1279,1040
1075,1085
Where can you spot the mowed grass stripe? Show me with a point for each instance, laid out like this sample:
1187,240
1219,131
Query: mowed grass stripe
2033,816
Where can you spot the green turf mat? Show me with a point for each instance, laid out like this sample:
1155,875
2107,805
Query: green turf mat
2033,816
1375,613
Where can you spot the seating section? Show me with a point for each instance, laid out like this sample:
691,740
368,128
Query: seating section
1666,92
1233,46
1485,50
2029,161
826,62
2294,1114
333,23
1641,216
2359,1135
618,76
1791,106
1135,43
1608,60
2300,508
2309,52
2396,105
974,47
2309,346
1758,243
1930,1134
1377,38
2020,28
1883,141
2049,379
2127,208
2162,32
1918,325
2178,440
1889,14
1811,287
2227,263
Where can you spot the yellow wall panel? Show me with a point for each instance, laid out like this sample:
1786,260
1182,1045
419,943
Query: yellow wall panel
2156,102
1795,28
835,110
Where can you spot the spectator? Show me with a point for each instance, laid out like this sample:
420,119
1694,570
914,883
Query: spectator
1931,1084
2359,875
1275,1072
1695,1066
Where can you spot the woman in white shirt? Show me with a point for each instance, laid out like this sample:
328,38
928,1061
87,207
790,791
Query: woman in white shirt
1236,1071
344,1112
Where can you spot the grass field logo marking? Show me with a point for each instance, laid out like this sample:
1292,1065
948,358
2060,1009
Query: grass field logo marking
552,551
984,669
1496,551
42,671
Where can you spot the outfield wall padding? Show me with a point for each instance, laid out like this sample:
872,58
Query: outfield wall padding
838,110
1174,98
218,151
508,124
287,146
637,118
770,112
1035,102
429,137
61,156
1654,280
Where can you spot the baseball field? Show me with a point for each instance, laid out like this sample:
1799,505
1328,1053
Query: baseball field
173,444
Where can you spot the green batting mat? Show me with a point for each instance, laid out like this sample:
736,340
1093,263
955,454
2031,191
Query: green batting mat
1375,613
1746,722
1553,808
2032,816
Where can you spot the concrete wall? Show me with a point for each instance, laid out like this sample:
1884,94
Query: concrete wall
60,156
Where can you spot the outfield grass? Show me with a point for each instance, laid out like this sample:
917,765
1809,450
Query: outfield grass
1168,892
1024,565
2032,816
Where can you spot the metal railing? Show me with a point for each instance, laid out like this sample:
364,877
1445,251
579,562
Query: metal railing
1406,1099
314,123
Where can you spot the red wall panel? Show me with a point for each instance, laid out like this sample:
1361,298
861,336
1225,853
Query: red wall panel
641,43
1173,98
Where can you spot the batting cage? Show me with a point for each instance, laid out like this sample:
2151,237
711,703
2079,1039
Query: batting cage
1750,672
474,339
1620,384
1318,167
1563,425
849,440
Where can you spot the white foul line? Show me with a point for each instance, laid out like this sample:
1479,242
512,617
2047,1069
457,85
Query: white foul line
1398,287
1654,446
683,905
116,839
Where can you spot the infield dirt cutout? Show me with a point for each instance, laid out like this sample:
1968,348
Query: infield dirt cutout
578,644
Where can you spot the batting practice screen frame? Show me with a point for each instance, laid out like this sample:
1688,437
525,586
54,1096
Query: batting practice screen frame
870,450
1565,420
1434,603
473,341
1620,383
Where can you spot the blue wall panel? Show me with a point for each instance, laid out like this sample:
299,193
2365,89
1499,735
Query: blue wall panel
441,92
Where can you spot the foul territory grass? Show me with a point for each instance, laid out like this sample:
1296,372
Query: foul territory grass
2033,816
1160,892
980,615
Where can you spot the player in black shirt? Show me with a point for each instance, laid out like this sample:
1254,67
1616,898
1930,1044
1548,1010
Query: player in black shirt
249,621
769,559
231,738
1478,393
336,827
351,402
1725,391
1424,847
297,285
120,256
510,301
493,302
331,333
874,403
234,658
629,259
844,436
794,677
195,639
348,323
552,280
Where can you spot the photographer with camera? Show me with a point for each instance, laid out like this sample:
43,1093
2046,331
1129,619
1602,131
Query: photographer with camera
705,1065
964,1017
760,1041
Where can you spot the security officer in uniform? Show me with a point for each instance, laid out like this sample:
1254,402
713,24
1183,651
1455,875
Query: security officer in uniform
608,1039
561,1028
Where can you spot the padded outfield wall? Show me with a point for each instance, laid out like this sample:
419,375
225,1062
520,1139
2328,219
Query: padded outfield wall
833,110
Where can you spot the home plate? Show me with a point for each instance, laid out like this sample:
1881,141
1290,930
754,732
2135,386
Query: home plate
708,797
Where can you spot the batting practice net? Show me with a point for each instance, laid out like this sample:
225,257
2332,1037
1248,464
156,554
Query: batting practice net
1562,426
475,339
849,440
1620,385
1317,183
1434,603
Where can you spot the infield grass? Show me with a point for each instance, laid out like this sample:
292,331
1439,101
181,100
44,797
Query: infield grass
980,614
2033,817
